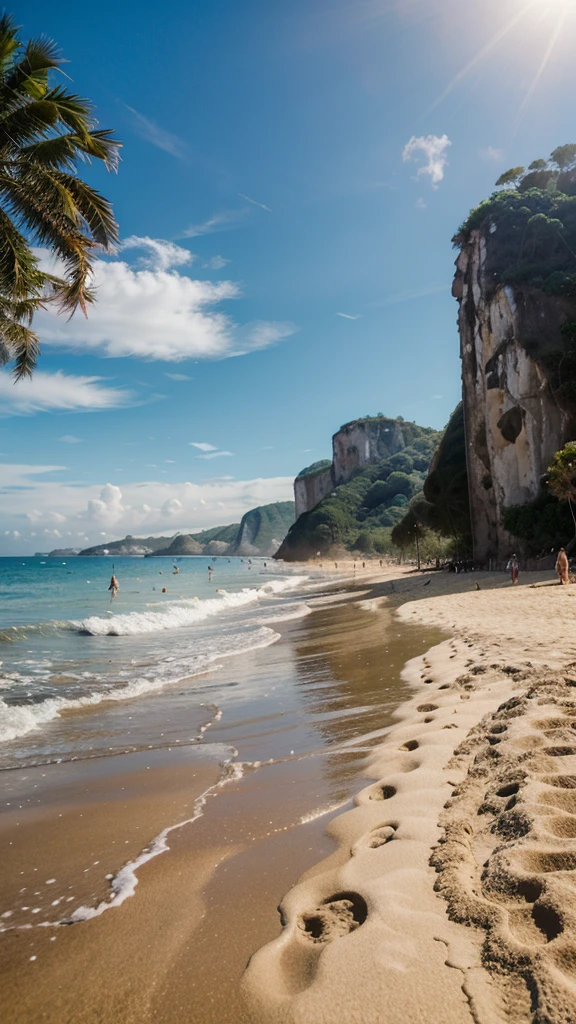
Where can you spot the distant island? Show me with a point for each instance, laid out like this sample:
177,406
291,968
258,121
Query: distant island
260,532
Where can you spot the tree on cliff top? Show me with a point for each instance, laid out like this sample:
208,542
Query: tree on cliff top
44,131
561,478
559,172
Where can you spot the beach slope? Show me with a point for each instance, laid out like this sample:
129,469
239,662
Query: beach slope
452,894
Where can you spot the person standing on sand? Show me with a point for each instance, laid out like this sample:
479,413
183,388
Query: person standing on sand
563,566
513,568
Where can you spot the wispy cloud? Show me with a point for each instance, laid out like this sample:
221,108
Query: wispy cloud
255,202
409,294
214,455
178,376
349,316
162,254
70,439
218,222
420,204
58,392
432,149
215,263
156,135
492,155
203,446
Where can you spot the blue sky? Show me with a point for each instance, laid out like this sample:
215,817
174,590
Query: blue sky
268,157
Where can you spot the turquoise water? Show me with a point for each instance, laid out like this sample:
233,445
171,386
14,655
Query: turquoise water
76,665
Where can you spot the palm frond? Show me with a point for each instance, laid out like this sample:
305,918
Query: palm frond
44,131
92,207
22,344
9,43
30,74
20,276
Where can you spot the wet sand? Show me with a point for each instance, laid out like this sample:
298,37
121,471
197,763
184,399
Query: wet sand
176,949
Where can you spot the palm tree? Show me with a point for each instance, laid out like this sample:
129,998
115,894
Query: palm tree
44,131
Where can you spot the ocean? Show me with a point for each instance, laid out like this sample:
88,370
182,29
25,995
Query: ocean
79,670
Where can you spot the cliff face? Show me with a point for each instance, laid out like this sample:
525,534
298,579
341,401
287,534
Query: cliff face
513,423
309,490
365,442
356,445
263,529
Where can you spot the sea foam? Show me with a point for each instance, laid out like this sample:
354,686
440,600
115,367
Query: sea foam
174,615
19,719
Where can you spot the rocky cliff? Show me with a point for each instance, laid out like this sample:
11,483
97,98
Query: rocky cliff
360,512
514,421
361,443
263,529
311,485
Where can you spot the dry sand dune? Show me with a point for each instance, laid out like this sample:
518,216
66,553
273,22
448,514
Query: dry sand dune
452,894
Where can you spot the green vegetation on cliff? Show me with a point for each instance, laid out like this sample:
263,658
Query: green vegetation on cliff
260,532
531,225
360,513
545,525
442,506
316,467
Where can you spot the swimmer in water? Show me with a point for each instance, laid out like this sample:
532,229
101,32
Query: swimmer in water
114,586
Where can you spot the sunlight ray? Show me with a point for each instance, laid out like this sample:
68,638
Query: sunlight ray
484,51
541,68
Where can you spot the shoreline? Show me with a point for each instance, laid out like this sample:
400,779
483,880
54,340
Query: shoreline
452,884
315,712
398,919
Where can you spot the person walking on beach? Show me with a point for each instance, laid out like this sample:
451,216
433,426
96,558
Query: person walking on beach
563,567
513,567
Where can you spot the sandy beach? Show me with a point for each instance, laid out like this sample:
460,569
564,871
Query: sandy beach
451,895
410,809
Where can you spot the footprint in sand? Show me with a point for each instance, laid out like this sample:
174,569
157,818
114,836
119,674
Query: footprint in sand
382,792
375,839
337,916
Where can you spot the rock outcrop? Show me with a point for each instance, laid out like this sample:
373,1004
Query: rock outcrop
312,485
356,445
513,420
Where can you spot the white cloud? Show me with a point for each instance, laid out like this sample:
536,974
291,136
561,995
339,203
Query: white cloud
58,391
254,202
108,508
172,507
214,455
432,149
203,446
159,137
420,204
492,154
163,255
178,376
70,439
215,263
349,316
140,508
158,314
